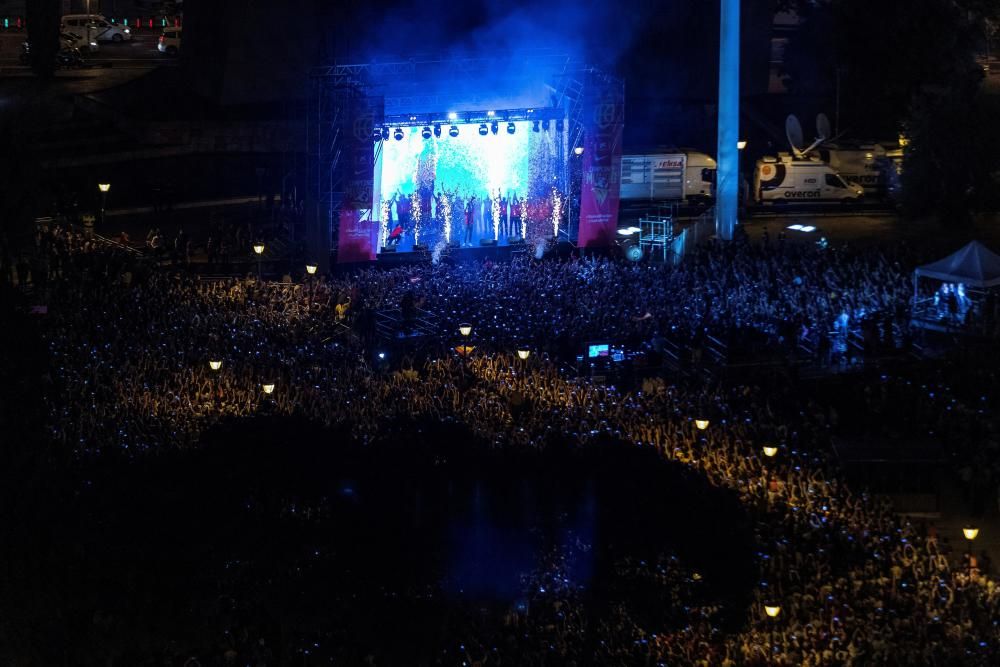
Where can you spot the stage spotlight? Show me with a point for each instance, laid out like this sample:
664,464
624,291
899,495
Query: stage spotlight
491,113
385,133
545,124
452,115
483,130
425,133
494,127
559,125
535,127
377,135
398,134
437,130
511,128
453,132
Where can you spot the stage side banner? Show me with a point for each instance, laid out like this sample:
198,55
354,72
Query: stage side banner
357,235
602,164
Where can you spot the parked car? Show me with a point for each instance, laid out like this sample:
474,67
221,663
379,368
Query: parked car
101,30
170,41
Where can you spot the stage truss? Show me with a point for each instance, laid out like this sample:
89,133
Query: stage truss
397,86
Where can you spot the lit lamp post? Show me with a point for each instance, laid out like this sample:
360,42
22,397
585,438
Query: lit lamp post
258,248
215,365
740,145
104,188
970,533
466,330
772,611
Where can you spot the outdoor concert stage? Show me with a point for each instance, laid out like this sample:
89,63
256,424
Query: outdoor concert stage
444,157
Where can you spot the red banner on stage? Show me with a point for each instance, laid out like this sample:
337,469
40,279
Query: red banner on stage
602,164
357,235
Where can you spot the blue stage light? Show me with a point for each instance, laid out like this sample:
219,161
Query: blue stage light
559,125
545,124
398,134
385,133
535,128
483,130
425,133
453,132
437,130
452,115
377,135
510,128
494,127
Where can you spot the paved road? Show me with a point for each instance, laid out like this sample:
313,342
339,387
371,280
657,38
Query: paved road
140,52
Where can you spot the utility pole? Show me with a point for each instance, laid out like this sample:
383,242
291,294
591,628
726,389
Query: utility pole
727,176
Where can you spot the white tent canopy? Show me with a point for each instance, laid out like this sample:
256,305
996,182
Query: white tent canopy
975,265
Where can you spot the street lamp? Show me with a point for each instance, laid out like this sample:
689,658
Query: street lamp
770,450
971,533
103,187
310,269
215,365
772,611
268,388
701,424
258,248
465,329
523,354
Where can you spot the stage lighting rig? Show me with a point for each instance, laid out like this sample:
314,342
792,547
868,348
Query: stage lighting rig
559,125
483,130
398,134
511,128
453,132
426,133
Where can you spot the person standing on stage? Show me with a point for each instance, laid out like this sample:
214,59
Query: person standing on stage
515,215
403,210
504,228
470,209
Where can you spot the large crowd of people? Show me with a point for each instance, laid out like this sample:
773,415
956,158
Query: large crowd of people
856,584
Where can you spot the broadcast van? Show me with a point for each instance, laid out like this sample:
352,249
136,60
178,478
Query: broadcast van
788,179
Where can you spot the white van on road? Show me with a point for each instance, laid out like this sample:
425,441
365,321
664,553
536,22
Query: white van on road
787,179
101,30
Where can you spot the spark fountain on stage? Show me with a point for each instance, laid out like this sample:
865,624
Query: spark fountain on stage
464,182
467,152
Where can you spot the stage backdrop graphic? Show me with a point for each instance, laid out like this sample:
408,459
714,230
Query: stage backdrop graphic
602,159
357,236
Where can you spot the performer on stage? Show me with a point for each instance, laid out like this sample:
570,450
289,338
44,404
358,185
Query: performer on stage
515,215
395,235
504,223
470,209
402,209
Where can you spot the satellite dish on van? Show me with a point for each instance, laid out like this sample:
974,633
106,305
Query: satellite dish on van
793,130
823,126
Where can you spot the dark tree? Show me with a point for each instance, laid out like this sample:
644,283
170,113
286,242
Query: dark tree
43,34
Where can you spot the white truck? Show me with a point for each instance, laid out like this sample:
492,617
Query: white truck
789,179
683,175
